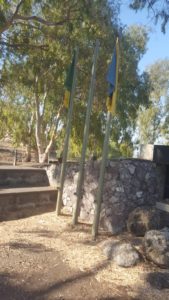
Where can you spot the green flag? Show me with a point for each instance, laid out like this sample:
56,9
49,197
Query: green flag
69,82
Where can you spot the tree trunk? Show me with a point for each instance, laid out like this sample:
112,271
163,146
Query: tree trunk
28,153
44,156
38,123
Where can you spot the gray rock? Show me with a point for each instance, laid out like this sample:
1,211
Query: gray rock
158,280
139,194
156,244
125,255
143,219
122,254
113,225
131,169
107,248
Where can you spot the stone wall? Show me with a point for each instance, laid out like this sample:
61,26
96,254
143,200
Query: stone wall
26,203
129,183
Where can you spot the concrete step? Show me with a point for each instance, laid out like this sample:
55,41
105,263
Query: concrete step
12,177
25,202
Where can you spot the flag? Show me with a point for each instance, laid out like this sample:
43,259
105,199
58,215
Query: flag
69,82
112,79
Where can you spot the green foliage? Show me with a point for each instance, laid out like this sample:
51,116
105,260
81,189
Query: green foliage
34,59
153,121
134,88
149,124
159,10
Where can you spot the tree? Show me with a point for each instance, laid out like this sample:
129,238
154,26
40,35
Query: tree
33,77
159,10
149,121
153,121
38,75
134,89
16,16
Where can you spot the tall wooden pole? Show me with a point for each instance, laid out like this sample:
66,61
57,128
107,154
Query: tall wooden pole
85,136
113,81
66,143
101,178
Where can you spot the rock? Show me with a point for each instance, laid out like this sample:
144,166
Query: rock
122,254
139,194
158,280
120,189
131,169
143,219
107,248
125,255
156,245
113,225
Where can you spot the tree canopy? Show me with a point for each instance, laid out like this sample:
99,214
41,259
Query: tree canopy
153,122
37,42
159,10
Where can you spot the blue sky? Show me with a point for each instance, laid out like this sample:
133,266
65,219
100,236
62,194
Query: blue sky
158,45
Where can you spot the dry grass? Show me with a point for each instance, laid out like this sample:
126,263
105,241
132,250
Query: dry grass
80,252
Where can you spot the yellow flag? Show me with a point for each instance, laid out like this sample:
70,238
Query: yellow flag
66,99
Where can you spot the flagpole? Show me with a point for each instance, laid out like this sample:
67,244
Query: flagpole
113,81
85,136
66,142
101,178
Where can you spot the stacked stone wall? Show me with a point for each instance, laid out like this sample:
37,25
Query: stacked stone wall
129,183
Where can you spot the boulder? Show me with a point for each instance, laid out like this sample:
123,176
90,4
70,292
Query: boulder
123,254
142,219
158,280
156,245
114,224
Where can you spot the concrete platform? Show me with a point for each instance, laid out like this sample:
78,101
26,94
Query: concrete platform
17,177
24,202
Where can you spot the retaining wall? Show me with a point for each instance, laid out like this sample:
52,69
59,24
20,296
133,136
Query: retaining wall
129,183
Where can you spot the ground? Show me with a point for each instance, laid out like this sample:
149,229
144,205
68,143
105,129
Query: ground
44,258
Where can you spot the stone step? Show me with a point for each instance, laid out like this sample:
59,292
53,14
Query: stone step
163,206
12,177
25,202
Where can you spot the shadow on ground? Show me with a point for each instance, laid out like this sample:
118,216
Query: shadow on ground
27,246
80,285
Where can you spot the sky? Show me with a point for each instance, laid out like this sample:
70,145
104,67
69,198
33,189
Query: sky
158,44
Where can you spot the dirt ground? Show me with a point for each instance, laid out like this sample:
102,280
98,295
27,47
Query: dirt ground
44,258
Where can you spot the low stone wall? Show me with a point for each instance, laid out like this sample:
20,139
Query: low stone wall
17,204
129,183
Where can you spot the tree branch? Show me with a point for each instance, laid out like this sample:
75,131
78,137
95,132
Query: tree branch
10,21
41,20
20,45
28,25
44,101
17,8
53,135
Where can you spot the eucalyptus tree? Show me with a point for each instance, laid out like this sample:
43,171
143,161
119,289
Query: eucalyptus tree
158,10
134,89
37,39
153,122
